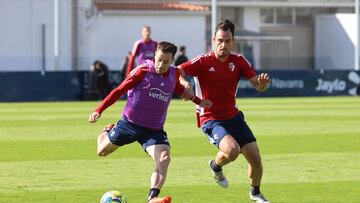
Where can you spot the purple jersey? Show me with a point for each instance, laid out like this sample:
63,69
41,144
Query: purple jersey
148,102
144,50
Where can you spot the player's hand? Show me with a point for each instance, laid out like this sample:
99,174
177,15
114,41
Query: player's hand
94,116
205,103
263,79
188,93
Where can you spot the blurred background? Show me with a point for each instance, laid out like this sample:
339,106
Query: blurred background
47,47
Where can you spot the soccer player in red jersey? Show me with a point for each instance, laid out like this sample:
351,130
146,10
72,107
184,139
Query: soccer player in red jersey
216,76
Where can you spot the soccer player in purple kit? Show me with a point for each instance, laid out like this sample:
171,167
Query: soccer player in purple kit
150,87
144,49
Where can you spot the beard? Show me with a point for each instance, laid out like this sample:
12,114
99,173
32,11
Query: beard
223,53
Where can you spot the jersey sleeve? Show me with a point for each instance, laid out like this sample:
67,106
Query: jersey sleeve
132,58
179,89
135,77
191,67
247,69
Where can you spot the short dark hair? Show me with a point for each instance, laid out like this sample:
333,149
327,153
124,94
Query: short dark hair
167,47
182,48
224,26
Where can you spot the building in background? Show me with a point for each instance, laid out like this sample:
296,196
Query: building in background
68,35
114,26
281,32
35,35
335,51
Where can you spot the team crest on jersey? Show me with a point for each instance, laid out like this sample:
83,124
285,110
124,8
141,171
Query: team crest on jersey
231,66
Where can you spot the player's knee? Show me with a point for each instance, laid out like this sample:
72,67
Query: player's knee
230,148
164,160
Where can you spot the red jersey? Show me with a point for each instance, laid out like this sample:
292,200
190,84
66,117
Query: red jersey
218,82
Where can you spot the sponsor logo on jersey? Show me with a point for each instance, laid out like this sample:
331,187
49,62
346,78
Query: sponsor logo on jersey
159,94
212,69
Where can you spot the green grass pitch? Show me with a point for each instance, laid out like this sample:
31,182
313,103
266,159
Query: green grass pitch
310,149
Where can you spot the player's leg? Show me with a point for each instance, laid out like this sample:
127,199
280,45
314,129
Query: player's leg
156,144
161,155
217,132
113,137
229,149
255,170
251,152
104,146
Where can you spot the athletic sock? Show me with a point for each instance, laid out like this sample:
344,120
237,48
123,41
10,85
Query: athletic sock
255,190
154,192
215,167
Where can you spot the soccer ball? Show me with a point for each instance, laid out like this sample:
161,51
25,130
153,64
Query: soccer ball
113,197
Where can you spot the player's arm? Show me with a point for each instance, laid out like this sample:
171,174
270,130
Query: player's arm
187,68
181,91
183,88
260,82
189,91
132,57
204,103
182,77
131,81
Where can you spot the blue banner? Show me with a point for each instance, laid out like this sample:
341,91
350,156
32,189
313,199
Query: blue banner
306,83
73,86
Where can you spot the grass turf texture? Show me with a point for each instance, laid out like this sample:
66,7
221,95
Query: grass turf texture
310,151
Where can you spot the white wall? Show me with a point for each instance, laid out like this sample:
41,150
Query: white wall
252,22
335,50
21,35
110,37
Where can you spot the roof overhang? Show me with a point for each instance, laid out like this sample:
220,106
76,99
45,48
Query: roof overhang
261,4
159,6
